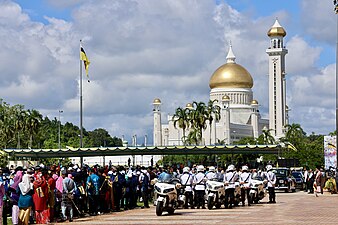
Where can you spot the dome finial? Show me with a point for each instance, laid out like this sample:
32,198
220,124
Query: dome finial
231,56
276,30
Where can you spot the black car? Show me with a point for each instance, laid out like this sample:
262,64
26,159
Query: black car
285,180
299,179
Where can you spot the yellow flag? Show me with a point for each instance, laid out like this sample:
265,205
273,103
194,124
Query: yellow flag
85,60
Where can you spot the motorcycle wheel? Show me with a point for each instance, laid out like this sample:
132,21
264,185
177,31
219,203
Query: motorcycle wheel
159,208
210,202
171,211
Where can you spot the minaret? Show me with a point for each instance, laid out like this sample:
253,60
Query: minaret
277,89
157,138
254,118
225,119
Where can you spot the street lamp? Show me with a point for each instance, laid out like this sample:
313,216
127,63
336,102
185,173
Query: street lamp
60,111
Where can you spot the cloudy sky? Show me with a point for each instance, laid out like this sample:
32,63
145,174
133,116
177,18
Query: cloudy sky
144,49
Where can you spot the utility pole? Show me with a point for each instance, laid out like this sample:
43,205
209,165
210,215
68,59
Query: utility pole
60,111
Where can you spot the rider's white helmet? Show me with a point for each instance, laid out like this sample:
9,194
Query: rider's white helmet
245,168
186,170
212,169
200,168
268,167
231,168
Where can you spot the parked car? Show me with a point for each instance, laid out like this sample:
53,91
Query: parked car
285,180
299,179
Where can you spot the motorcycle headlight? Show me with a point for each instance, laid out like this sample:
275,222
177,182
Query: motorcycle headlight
168,190
158,189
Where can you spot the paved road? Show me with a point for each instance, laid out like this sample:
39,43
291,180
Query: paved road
291,208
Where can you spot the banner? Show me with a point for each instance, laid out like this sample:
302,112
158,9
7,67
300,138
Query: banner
330,151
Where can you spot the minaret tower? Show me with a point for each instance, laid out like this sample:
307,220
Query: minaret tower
277,88
157,138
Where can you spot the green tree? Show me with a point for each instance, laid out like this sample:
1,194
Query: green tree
213,112
198,121
181,119
32,124
266,138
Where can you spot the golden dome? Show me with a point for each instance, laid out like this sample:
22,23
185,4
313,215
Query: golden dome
225,98
188,106
231,75
254,102
276,30
157,101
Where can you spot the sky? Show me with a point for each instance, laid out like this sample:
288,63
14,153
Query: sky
145,49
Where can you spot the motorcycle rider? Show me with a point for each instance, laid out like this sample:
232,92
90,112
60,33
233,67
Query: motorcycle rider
187,182
245,181
230,177
199,183
211,174
271,178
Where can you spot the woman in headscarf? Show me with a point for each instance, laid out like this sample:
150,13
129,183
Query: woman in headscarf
15,196
58,194
40,198
25,202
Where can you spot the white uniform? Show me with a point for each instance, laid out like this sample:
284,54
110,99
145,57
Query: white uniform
271,177
230,177
187,181
199,181
211,175
246,178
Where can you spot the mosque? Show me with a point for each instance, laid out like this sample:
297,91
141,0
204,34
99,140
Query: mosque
231,85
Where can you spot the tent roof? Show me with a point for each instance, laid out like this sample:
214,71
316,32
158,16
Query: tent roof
151,150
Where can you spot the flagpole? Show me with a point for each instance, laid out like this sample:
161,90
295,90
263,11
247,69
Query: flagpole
81,113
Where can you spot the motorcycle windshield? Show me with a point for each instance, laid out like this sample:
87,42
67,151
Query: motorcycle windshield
166,178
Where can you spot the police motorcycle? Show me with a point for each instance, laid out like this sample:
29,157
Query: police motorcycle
257,192
166,195
215,192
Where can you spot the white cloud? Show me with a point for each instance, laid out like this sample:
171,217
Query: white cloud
319,20
140,50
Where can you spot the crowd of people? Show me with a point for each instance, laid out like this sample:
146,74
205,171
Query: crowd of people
315,181
48,194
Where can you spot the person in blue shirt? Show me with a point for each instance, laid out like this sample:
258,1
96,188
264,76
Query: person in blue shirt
93,186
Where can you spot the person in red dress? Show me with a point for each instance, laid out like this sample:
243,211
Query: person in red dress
40,198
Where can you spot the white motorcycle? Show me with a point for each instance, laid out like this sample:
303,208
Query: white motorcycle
166,196
257,192
215,194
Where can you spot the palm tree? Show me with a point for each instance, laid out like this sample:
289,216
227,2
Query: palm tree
294,133
194,137
19,123
32,123
213,112
266,137
181,118
198,119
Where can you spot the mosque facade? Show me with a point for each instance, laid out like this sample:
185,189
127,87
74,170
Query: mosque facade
231,86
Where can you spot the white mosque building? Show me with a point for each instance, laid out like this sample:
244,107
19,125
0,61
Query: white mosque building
231,85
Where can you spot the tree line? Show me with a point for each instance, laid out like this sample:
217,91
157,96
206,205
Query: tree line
27,128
